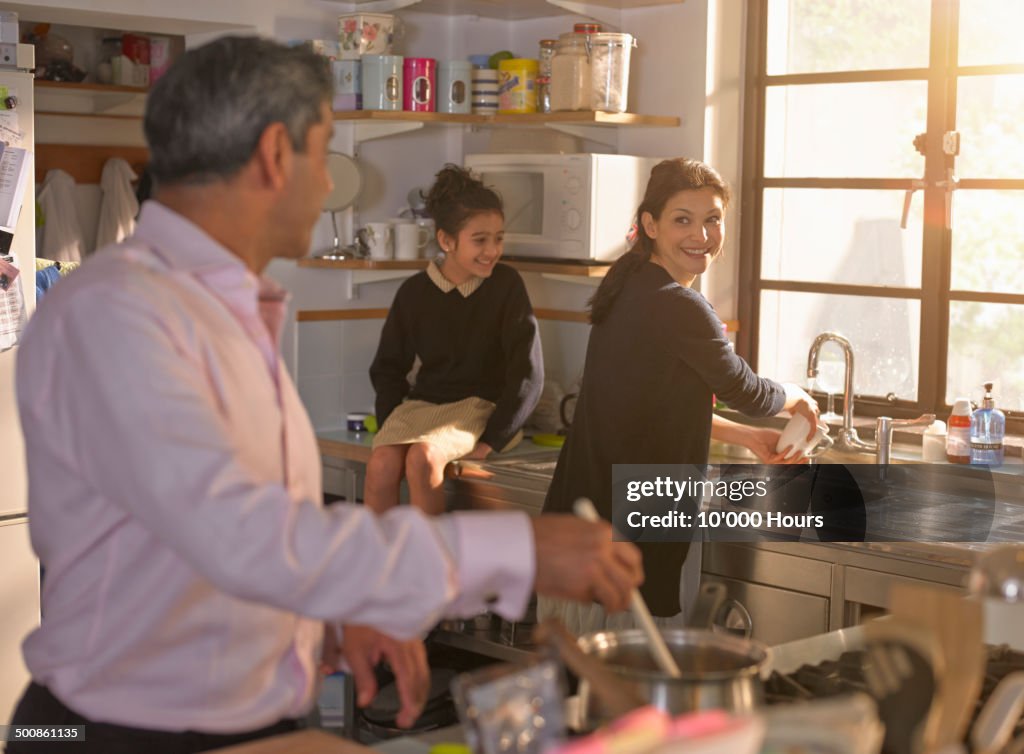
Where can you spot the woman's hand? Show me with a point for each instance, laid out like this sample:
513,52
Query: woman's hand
762,442
799,402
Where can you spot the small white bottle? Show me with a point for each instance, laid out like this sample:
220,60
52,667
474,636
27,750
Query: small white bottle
933,442
958,438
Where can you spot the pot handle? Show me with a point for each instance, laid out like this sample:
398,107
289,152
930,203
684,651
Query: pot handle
616,697
563,408
730,608
711,598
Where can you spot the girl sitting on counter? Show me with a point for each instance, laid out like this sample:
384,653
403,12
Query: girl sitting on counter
656,356
468,321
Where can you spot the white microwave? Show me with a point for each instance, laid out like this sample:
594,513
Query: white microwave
568,207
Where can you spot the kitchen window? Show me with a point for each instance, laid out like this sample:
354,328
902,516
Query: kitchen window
884,198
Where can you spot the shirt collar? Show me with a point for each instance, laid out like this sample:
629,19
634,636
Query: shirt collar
466,289
185,247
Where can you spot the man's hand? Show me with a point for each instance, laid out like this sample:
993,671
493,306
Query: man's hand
578,560
362,648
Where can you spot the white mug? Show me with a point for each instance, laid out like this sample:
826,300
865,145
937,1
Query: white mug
795,434
428,239
410,239
377,237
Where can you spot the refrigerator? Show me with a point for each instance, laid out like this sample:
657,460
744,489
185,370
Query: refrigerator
19,570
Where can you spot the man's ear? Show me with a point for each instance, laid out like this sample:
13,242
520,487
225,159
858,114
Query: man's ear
274,155
650,227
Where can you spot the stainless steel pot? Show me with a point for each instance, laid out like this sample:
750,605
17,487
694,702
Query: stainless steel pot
718,671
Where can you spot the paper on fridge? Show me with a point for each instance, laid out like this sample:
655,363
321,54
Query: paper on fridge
12,304
15,168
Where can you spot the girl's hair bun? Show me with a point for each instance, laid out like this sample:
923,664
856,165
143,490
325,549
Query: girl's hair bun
456,196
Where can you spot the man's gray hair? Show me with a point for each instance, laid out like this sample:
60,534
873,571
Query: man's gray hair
204,117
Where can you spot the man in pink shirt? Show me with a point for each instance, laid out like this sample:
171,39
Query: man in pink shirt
174,477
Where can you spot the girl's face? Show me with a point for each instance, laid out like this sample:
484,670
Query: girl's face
689,233
477,248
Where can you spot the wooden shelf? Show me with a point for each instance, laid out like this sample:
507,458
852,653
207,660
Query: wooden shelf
364,264
549,268
89,88
87,100
512,119
560,268
509,10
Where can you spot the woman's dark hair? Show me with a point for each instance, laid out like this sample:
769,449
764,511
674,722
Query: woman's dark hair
456,196
668,178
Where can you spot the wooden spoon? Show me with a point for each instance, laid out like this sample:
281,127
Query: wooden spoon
655,641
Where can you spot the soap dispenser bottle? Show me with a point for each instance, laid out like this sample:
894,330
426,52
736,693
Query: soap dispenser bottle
988,427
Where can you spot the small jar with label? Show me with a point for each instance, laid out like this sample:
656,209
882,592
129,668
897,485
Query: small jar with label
958,434
547,51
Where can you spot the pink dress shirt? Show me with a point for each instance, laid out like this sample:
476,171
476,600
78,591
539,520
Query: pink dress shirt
174,500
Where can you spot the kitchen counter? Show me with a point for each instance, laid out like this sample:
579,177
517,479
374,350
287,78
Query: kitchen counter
300,742
794,589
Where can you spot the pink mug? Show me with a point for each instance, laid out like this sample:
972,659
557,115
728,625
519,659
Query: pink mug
420,76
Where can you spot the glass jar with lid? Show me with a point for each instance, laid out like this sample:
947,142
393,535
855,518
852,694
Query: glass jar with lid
547,51
570,73
609,70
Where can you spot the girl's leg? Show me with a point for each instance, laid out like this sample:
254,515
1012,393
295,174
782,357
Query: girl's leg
384,476
424,469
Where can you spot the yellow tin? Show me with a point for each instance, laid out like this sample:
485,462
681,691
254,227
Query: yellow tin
517,85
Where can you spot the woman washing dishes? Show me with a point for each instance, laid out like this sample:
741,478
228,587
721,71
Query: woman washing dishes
469,322
656,356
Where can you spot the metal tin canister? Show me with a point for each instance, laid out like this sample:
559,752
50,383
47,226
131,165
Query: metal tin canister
517,85
420,76
484,90
454,84
347,85
382,82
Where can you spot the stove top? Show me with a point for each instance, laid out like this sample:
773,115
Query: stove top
845,675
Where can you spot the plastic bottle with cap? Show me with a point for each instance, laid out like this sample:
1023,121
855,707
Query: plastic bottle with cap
958,436
933,442
988,427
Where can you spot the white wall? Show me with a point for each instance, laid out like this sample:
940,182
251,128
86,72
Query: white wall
669,77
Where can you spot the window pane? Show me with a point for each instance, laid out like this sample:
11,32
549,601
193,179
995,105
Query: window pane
990,32
988,241
845,130
841,236
884,332
986,342
989,112
809,36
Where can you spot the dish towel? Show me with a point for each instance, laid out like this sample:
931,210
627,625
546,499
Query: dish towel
119,206
63,240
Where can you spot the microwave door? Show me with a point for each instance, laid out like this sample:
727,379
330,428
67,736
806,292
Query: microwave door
534,247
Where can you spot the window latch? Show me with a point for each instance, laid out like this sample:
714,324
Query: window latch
915,184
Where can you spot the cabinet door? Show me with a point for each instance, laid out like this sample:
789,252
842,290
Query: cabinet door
779,615
19,605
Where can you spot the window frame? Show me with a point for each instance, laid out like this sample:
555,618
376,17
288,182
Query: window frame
935,294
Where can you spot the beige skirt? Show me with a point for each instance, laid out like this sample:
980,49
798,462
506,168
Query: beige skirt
452,428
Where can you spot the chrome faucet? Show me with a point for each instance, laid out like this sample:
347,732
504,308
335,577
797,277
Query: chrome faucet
848,438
